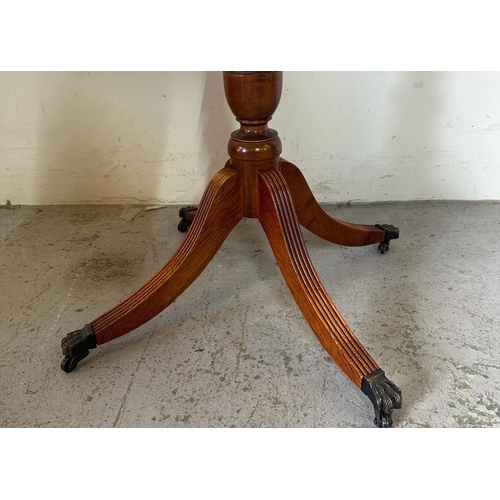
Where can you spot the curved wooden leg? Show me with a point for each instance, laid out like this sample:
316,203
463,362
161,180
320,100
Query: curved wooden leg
279,220
219,211
316,220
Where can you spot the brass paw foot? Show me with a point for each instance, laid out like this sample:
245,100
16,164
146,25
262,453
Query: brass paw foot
75,347
384,394
391,233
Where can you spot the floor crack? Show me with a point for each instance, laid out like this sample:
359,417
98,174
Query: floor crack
251,414
124,399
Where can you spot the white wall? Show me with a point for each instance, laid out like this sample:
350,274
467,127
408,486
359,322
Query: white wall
158,137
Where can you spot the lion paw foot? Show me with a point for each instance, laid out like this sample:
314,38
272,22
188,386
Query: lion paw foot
75,347
384,394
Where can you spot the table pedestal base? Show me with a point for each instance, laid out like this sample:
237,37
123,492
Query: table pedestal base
257,182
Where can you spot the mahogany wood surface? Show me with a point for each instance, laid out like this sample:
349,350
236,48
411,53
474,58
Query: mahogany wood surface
210,228
279,220
315,219
253,98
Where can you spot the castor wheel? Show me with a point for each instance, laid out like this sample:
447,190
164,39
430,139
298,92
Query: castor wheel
75,347
68,364
391,233
187,216
383,247
183,226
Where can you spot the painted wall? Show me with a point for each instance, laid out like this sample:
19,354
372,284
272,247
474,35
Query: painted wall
125,137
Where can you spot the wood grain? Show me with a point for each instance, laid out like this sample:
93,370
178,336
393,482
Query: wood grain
256,182
280,223
315,219
219,211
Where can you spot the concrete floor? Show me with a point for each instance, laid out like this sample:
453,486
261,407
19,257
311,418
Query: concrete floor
234,350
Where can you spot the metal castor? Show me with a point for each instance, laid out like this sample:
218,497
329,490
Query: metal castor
187,216
183,226
391,233
383,247
68,364
384,394
76,346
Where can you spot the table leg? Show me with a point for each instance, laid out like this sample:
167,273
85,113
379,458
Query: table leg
279,220
315,219
218,214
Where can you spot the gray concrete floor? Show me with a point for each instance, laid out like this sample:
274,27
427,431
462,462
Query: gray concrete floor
234,350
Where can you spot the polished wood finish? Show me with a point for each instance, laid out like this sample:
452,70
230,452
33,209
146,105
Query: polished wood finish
315,219
253,98
256,182
279,220
210,228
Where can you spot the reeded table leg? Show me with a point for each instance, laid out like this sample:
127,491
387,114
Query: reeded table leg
256,182
279,220
218,213
315,219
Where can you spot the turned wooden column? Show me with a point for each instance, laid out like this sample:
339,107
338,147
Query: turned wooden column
253,98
